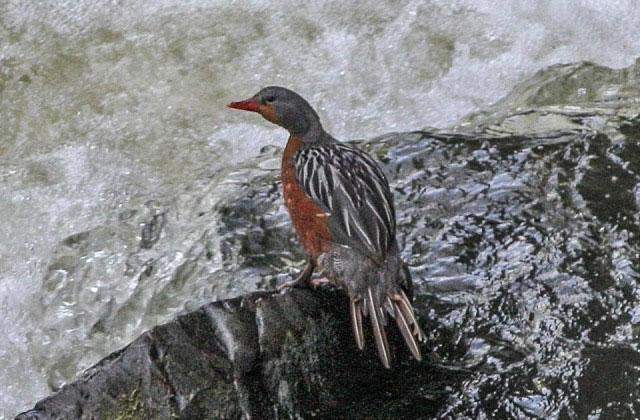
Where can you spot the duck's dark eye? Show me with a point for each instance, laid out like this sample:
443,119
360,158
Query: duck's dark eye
269,98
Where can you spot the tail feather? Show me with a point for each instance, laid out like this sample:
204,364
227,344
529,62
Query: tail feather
384,323
407,311
379,333
398,306
403,325
356,322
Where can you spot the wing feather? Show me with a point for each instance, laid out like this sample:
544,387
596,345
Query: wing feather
348,184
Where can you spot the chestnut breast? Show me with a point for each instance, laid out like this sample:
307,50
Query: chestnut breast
309,220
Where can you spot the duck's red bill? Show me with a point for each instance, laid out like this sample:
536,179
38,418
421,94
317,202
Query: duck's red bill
247,105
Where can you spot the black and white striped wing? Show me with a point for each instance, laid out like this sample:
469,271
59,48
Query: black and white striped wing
352,188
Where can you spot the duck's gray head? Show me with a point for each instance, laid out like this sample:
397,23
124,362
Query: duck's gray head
283,107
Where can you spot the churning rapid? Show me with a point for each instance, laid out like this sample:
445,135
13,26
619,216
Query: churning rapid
112,114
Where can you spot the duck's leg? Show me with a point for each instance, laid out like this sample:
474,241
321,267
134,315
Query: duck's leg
303,280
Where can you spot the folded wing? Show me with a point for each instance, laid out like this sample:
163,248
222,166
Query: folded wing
352,188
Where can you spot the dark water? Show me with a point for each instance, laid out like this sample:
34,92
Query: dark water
526,257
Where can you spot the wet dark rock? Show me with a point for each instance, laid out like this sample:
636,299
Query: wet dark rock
522,233
264,355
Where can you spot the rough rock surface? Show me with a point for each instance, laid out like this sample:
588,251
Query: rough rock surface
261,355
522,232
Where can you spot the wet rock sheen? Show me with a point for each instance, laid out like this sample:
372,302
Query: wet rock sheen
263,355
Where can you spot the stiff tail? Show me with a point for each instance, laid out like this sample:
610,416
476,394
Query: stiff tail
399,307
379,334
407,323
356,321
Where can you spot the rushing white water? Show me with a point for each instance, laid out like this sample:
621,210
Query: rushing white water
105,106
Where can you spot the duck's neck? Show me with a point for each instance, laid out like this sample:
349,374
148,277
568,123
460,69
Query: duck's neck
293,145
314,134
